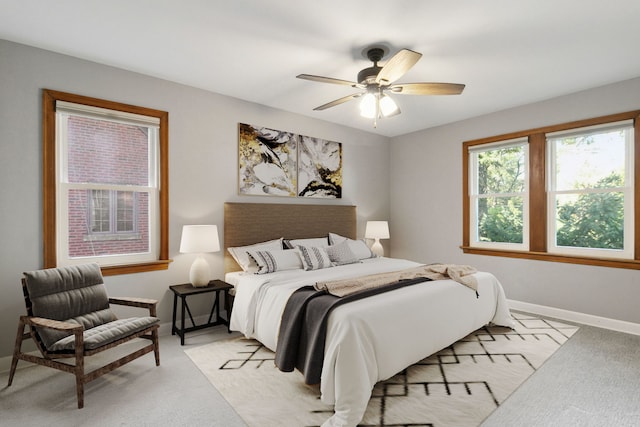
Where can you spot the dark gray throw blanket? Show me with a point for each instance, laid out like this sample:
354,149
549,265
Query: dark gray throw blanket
303,328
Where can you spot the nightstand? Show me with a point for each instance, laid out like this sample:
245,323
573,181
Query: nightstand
185,290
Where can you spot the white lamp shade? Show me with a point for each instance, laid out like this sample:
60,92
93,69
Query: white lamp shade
377,230
199,239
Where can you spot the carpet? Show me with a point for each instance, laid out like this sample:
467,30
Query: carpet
458,386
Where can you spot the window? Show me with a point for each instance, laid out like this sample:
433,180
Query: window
499,195
105,184
591,191
565,193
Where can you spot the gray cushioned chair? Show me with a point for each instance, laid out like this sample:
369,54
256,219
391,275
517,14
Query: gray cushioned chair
69,316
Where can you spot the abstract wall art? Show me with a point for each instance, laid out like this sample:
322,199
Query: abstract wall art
268,161
279,163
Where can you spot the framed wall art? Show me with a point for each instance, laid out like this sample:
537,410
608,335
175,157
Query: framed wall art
279,163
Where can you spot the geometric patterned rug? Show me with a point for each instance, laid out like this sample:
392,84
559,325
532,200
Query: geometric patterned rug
456,387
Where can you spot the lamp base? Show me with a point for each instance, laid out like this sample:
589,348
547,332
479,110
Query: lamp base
200,274
377,248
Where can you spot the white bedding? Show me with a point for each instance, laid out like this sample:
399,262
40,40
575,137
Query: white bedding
371,339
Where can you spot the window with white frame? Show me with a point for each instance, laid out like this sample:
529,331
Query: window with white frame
590,194
499,194
109,206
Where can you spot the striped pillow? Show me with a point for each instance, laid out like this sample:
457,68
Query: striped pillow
276,260
314,258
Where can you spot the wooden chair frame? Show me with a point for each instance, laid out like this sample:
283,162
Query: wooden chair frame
79,352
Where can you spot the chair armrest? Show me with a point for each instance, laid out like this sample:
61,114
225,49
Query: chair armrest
52,324
147,303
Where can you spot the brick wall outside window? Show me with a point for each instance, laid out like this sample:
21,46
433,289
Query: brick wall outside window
108,153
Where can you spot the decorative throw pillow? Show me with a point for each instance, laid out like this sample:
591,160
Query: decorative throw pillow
334,238
314,258
358,247
242,257
276,260
321,242
341,254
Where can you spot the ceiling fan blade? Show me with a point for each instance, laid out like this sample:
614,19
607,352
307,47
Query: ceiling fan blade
326,80
427,88
338,101
395,67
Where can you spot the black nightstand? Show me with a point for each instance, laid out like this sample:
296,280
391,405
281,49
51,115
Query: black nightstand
184,290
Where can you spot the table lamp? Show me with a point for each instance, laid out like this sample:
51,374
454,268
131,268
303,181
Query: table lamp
199,239
377,230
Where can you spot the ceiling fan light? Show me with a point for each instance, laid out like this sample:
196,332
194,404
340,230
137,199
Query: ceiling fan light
368,106
388,106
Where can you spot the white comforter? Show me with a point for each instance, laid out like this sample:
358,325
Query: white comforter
372,339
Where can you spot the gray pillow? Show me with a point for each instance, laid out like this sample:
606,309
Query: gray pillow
341,254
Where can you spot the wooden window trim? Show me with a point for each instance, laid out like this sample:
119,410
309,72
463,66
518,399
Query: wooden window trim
538,199
49,98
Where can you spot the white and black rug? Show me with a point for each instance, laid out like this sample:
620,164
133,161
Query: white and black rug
458,386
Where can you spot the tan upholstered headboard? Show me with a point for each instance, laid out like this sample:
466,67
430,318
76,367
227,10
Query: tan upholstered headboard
247,223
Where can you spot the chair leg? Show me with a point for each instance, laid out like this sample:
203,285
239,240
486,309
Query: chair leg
16,351
79,368
156,347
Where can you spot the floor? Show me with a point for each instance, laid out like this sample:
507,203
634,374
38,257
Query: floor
592,380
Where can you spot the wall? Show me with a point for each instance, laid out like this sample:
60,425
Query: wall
202,165
426,200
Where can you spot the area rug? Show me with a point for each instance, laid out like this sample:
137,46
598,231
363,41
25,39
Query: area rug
456,387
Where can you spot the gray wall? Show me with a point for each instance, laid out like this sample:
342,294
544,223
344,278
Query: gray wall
202,165
426,218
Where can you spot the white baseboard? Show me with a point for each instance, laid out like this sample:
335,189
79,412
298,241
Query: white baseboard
574,316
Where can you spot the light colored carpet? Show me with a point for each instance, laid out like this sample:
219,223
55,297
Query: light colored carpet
459,386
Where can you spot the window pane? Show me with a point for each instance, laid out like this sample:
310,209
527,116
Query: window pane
99,213
501,170
590,220
500,219
591,160
125,211
101,151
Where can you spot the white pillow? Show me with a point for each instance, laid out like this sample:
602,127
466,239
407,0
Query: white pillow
276,260
321,242
358,247
334,238
242,257
314,257
341,254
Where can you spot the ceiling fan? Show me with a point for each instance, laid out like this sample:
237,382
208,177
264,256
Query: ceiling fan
376,81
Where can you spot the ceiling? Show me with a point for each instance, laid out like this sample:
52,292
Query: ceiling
508,53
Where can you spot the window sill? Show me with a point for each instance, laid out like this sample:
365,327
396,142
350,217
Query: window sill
106,237
543,256
114,270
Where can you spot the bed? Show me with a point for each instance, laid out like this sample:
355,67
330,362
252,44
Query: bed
368,340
